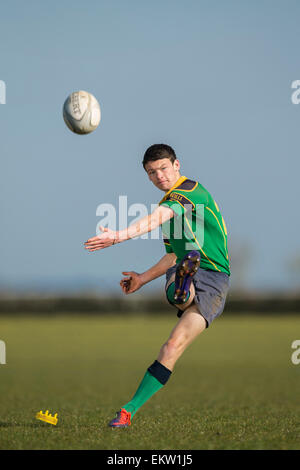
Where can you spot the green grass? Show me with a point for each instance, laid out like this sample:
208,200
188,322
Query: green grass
234,388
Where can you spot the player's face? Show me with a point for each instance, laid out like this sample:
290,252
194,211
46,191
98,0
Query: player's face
163,173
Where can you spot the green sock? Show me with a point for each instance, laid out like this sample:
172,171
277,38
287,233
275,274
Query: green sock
148,387
171,293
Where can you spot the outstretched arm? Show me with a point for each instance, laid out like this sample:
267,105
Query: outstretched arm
111,237
134,281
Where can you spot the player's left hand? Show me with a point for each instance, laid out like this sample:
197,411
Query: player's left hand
103,240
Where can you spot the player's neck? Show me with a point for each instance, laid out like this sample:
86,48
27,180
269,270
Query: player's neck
176,182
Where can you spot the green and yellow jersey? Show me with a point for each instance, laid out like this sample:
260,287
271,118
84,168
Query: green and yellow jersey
196,225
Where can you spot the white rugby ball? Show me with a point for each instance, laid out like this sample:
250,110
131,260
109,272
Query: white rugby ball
81,112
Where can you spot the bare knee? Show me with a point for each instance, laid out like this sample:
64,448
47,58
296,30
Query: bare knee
173,346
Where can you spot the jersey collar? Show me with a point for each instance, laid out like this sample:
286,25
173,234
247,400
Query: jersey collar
178,183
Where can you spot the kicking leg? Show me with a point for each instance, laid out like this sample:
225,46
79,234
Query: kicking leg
170,289
180,289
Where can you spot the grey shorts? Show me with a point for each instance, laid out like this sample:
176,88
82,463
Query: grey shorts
211,288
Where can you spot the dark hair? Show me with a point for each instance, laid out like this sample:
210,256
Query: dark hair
157,152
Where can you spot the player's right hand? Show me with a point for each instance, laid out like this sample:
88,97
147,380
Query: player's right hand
131,282
103,240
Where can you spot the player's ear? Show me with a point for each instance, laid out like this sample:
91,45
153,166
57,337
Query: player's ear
177,165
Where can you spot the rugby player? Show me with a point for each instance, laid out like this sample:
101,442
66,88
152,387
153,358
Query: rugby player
196,265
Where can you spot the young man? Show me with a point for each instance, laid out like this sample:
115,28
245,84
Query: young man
196,264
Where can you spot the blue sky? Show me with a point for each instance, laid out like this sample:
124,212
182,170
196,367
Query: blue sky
210,78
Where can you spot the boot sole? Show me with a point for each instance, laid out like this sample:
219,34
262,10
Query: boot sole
184,275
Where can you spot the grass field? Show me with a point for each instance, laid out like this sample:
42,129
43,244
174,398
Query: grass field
234,388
